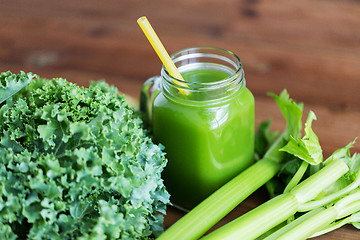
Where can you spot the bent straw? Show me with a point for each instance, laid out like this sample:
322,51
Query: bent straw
161,52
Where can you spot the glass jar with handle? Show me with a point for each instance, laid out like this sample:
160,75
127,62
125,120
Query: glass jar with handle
205,122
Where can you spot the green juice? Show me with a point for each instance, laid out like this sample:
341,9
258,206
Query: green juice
204,75
206,144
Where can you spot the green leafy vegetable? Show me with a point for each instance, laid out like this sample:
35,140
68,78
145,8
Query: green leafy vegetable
75,163
275,211
264,139
13,83
292,112
337,205
307,148
328,195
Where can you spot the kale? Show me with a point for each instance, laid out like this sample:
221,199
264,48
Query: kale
75,163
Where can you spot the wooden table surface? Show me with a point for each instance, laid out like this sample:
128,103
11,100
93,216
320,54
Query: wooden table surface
311,48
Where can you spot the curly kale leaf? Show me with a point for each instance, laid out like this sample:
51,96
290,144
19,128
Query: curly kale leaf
76,163
13,83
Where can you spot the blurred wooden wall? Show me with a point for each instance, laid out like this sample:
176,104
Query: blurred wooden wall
311,48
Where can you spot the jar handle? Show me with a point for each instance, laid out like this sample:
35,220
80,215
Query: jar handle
149,90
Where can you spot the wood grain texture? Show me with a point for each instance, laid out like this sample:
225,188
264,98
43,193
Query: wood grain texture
311,48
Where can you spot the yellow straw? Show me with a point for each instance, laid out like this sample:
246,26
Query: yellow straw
161,51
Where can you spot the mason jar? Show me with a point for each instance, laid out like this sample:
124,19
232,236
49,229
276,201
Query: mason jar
205,122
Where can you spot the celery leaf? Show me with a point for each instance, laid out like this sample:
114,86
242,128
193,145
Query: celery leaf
307,148
291,111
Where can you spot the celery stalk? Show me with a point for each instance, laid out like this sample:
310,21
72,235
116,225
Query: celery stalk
338,224
275,235
257,221
200,219
332,207
297,177
332,227
305,227
321,220
316,183
263,218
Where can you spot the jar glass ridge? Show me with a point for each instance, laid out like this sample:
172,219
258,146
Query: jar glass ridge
204,58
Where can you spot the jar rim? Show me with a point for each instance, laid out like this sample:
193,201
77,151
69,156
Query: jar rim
233,76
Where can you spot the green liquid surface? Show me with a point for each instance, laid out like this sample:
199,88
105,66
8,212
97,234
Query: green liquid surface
204,75
206,145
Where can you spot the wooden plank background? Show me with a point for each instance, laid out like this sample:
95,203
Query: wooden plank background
311,48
